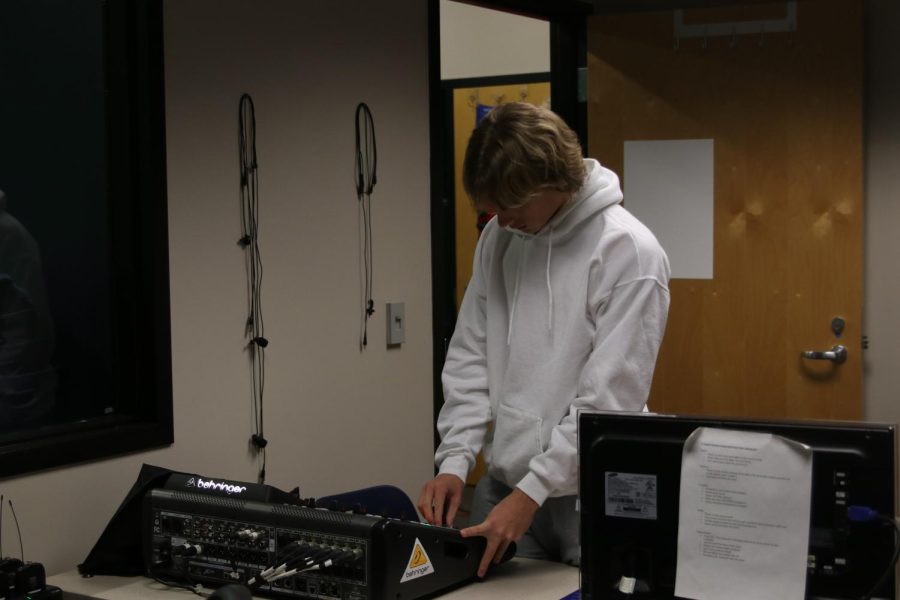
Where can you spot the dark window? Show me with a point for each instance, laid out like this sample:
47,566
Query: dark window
84,320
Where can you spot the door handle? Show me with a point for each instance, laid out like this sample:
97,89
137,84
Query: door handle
837,354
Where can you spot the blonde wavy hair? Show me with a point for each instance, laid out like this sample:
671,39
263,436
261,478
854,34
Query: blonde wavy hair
517,150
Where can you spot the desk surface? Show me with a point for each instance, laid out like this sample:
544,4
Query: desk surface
520,578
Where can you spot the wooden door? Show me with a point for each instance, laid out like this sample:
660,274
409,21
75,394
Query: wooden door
785,113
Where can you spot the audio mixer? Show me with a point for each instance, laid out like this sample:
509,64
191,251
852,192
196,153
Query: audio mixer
214,535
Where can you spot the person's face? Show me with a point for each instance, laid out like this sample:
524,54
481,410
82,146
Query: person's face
533,215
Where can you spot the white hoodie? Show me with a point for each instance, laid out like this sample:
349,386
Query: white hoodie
566,319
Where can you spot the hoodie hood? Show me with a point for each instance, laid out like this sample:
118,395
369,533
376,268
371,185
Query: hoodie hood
600,190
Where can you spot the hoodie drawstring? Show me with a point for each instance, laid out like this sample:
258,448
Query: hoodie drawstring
549,287
515,299
512,312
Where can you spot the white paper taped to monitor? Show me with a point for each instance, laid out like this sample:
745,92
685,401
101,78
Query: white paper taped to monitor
743,530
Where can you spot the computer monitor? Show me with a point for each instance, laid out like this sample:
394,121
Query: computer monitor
853,464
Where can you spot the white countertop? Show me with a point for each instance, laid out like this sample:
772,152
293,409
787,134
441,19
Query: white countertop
521,578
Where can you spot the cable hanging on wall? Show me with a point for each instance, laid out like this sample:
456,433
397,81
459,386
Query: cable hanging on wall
249,241
365,179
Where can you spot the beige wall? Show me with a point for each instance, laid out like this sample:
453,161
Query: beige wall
882,181
335,419
479,42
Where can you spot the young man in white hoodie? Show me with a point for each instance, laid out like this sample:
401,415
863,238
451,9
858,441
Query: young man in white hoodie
565,310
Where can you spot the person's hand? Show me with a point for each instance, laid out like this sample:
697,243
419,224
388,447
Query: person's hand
506,523
443,493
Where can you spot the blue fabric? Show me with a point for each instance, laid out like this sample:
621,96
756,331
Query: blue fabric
481,111
384,500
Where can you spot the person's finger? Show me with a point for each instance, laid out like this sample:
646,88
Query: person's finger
452,507
438,505
473,531
489,550
425,503
501,550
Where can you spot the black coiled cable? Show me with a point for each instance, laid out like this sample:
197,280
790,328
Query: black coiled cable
249,241
365,179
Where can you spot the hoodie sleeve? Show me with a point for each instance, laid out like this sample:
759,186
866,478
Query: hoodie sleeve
628,302
466,413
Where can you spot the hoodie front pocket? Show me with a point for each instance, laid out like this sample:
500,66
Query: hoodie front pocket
517,439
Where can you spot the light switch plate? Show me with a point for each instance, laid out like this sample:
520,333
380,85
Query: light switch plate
396,323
